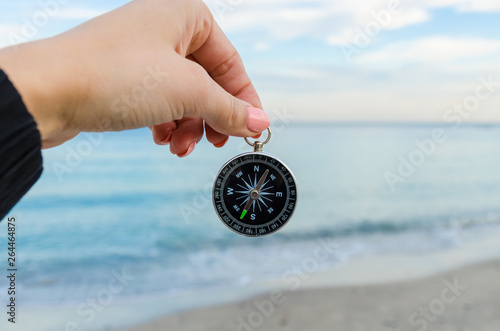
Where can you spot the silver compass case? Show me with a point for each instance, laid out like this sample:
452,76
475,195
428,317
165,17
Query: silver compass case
255,193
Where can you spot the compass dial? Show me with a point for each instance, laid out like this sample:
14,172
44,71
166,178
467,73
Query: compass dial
255,194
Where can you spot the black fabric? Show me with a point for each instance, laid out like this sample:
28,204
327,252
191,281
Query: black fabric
20,147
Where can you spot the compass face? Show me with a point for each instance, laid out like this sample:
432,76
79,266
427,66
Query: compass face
254,194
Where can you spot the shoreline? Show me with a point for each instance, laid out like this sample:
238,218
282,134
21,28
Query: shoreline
401,288
373,274
461,299
353,303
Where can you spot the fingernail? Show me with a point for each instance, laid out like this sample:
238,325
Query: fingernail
257,136
258,121
222,143
189,151
166,141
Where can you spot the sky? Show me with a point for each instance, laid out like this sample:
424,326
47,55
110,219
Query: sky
338,60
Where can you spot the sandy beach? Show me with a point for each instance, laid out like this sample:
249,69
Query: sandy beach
464,299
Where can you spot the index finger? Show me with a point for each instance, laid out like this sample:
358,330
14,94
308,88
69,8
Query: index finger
223,63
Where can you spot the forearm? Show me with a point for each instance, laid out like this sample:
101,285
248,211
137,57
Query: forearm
38,75
21,160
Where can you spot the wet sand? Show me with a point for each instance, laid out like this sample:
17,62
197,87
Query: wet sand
464,299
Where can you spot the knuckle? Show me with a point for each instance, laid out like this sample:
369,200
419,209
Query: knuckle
233,117
223,68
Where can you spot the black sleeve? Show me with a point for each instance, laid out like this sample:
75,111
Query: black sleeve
20,147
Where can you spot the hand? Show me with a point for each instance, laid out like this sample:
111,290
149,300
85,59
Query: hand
164,64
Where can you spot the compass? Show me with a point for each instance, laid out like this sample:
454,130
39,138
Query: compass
255,194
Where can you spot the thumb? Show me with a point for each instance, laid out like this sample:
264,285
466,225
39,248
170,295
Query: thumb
225,113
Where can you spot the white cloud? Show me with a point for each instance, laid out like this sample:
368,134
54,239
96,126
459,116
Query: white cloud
297,15
287,71
344,36
405,81
334,21
283,20
7,28
429,50
262,46
6,31
410,80
408,17
480,6
381,22
367,104
465,5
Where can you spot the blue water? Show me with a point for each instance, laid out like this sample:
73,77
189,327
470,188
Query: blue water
130,204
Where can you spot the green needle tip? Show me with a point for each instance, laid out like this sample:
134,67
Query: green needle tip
243,214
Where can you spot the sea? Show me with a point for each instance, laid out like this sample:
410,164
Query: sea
116,208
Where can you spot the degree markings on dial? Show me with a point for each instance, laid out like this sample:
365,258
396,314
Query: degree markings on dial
272,193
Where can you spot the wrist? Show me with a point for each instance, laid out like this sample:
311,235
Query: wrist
36,74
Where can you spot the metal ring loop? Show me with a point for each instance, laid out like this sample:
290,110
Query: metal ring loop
265,141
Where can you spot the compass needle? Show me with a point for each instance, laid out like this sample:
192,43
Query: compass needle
262,180
241,204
